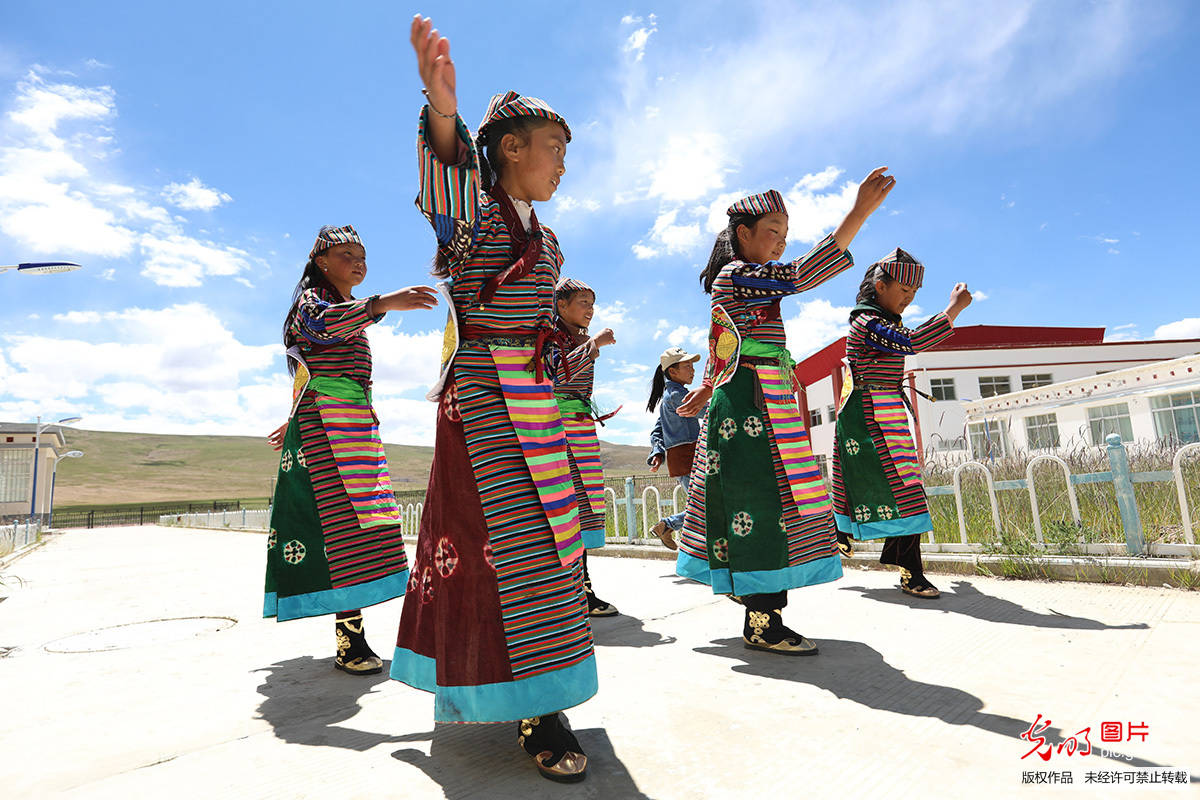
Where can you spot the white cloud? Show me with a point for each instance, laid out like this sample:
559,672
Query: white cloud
1188,328
177,260
1123,333
194,195
687,336
610,315
979,295
813,212
670,237
636,42
818,323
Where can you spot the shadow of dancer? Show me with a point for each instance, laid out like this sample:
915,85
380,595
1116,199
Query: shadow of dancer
857,672
484,761
305,699
969,601
626,631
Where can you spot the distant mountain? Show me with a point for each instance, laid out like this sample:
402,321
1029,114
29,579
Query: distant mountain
153,467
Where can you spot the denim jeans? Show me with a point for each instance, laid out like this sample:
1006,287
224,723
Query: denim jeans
675,521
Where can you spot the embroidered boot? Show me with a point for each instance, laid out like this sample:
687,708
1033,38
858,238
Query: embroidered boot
554,748
917,585
764,630
355,656
844,545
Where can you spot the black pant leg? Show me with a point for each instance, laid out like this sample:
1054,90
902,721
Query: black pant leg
765,602
903,551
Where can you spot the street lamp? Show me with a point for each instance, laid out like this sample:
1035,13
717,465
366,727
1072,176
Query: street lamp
37,443
54,477
42,267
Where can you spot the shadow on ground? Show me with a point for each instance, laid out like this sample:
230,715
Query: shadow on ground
306,700
969,601
485,761
625,631
854,671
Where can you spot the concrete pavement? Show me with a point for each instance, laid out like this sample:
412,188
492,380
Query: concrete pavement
908,698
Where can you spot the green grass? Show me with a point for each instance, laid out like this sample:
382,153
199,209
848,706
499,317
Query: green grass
134,468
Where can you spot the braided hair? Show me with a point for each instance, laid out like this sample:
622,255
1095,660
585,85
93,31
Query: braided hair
491,164
866,290
311,278
725,248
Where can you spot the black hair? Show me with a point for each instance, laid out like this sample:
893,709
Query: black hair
311,277
491,164
866,290
725,249
658,385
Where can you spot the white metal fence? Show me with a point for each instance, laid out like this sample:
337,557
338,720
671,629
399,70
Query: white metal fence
15,535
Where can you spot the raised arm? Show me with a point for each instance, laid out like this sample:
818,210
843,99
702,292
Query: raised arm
319,320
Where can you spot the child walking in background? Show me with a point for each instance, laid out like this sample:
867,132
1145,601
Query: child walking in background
758,520
673,439
574,377
877,488
334,544
496,624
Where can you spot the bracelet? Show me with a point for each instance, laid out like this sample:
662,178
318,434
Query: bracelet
429,103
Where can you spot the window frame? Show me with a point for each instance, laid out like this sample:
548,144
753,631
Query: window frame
1097,427
993,380
937,387
1036,425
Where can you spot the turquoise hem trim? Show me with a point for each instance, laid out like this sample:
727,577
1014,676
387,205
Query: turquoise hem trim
722,581
884,529
688,566
592,540
497,702
331,601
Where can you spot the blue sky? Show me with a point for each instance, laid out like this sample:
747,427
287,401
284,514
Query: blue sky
186,153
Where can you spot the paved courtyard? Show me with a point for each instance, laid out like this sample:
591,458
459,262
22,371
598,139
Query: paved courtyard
908,698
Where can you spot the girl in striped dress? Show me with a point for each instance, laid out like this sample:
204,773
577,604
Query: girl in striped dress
574,377
495,622
334,544
758,521
877,489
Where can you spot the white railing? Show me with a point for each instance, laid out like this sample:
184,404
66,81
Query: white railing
1033,501
16,535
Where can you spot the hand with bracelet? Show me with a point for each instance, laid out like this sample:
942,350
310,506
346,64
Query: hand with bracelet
437,76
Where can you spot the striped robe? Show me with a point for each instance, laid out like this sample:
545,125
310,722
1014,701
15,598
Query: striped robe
877,489
758,520
583,444
335,540
495,622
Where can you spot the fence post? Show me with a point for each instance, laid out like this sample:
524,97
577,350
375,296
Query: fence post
1118,459
91,518
630,514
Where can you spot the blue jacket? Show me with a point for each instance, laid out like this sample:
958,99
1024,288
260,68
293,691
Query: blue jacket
671,429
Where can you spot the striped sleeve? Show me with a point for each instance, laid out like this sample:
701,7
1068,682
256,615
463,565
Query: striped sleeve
320,321
580,358
932,331
888,337
448,194
823,262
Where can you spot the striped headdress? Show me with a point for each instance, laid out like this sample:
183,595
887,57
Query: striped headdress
510,105
758,204
328,236
902,267
569,286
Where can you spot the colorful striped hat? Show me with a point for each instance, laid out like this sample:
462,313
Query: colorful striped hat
902,267
569,286
510,105
328,236
757,204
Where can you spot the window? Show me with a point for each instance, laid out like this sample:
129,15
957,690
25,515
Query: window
987,439
1104,420
1177,417
942,389
992,385
1041,431
16,472
823,465
814,418
1036,380
830,413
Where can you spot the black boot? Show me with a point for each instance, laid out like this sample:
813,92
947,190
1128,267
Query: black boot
916,584
354,656
554,748
596,606
764,630
845,548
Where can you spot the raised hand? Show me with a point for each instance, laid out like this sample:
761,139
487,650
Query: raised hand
693,404
960,298
871,193
435,65
605,337
407,299
275,438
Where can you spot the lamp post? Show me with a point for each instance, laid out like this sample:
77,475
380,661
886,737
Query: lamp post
37,444
54,478
41,267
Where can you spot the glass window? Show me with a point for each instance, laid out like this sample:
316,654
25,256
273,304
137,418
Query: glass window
16,472
992,385
987,439
1114,418
830,413
1041,431
1177,417
942,389
814,417
1036,380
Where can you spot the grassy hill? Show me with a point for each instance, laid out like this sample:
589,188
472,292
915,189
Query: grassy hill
151,467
